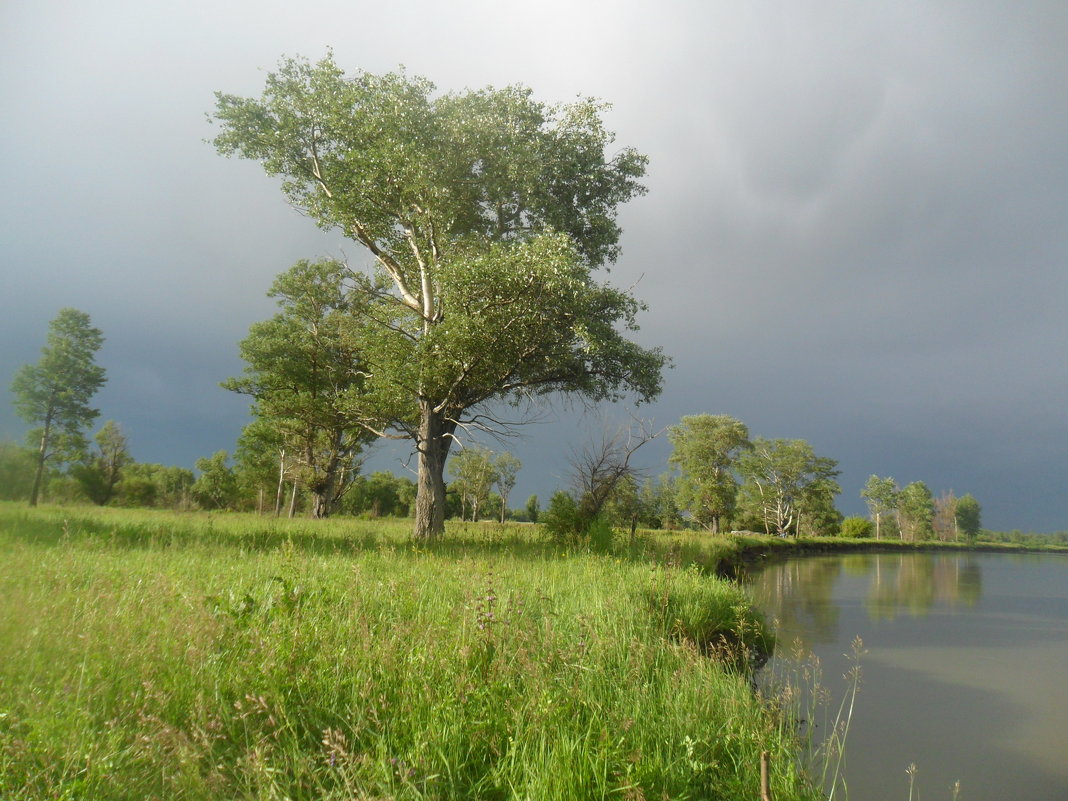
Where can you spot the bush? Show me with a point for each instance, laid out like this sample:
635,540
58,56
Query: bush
600,534
567,525
561,519
858,528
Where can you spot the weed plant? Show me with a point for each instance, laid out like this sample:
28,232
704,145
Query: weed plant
793,685
152,655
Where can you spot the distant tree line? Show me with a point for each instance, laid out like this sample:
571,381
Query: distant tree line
914,514
302,454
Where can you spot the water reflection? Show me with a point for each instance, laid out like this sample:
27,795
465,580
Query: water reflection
964,671
798,595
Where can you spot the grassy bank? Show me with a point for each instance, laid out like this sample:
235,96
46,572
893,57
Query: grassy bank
153,655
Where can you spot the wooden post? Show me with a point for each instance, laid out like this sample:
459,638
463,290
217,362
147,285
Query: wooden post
765,778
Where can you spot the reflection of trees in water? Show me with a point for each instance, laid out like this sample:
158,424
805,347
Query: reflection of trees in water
913,583
797,597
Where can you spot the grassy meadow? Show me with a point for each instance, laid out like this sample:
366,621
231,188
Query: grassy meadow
194,656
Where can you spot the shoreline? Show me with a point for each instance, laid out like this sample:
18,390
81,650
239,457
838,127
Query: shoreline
735,561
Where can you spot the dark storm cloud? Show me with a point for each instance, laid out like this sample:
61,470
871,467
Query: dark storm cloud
855,230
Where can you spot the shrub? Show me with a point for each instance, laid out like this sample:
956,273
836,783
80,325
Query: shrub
561,519
858,528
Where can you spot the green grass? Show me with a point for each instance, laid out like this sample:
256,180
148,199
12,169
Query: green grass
156,655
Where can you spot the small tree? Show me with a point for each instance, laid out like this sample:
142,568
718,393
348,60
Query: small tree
306,378
99,475
475,474
969,517
915,511
264,463
56,391
216,486
660,503
624,506
506,470
562,519
944,520
600,469
881,495
533,508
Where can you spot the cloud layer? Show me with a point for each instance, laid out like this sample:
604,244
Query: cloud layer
855,231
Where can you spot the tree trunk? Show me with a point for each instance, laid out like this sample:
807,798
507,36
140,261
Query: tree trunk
42,455
323,494
435,438
281,482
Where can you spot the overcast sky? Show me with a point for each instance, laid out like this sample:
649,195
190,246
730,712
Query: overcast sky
856,229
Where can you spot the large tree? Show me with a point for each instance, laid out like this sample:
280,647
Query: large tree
56,391
484,214
704,447
303,371
782,478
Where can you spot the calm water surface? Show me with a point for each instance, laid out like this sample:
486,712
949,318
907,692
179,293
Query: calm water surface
966,670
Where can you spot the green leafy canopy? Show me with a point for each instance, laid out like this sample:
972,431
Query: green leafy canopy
484,214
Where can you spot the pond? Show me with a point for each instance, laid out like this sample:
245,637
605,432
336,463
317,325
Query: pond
965,673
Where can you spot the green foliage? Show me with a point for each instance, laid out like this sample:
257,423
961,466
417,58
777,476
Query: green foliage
562,520
533,508
817,515
881,495
624,505
915,511
485,213
216,486
506,470
16,471
599,534
659,503
100,472
306,379
969,517
475,473
704,448
56,391
785,482
858,528
155,485
382,494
